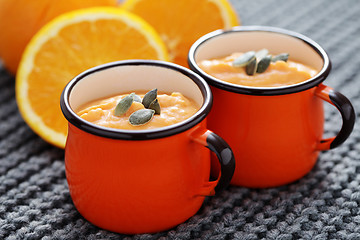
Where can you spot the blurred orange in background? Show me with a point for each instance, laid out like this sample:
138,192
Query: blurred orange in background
21,19
181,22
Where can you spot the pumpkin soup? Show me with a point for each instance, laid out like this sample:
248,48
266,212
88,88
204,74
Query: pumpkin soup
139,111
257,69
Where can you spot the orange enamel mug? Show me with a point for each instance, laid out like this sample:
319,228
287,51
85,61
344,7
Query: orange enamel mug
276,133
144,181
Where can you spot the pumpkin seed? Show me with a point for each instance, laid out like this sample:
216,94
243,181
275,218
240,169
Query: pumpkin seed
137,98
124,104
244,59
261,54
154,105
149,98
281,57
140,117
263,64
251,67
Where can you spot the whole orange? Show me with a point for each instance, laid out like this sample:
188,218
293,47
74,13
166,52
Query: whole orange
21,19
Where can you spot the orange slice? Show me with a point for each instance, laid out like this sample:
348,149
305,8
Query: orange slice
68,45
181,23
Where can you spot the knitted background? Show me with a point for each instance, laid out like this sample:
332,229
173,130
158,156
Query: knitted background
34,196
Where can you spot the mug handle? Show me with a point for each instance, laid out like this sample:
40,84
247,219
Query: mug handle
226,159
347,113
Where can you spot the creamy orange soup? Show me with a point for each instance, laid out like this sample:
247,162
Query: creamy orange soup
174,108
279,73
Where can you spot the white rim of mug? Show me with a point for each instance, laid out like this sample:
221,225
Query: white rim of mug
113,133
261,91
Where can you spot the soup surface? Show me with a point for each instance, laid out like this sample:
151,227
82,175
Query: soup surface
174,108
279,73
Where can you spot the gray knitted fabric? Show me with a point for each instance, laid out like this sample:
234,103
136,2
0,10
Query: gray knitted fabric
34,196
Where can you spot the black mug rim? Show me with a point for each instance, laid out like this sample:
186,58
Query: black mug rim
113,133
261,91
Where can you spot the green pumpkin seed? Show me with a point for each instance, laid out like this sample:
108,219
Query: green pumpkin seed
154,105
263,64
149,98
137,98
251,67
140,117
281,57
244,59
124,104
261,54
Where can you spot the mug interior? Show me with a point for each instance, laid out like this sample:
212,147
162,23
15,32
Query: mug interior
222,43
133,76
124,79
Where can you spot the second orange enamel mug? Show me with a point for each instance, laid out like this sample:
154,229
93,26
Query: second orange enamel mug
141,181
275,132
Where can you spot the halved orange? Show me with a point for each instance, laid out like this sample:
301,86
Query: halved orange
181,23
68,45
